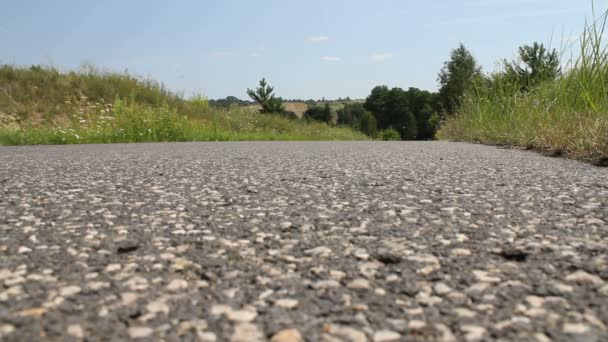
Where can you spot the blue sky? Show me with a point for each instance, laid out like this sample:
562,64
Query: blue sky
307,49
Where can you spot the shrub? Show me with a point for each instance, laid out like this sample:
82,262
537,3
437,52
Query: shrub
390,134
319,113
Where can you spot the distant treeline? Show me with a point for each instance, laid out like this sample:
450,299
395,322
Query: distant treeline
388,114
229,101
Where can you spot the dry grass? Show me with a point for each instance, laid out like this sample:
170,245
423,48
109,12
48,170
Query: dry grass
297,107
567,116
44,106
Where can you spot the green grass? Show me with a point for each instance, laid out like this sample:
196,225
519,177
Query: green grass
43,106
567,116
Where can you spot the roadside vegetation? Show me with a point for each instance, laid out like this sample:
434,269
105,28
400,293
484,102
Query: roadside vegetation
40,105
535,102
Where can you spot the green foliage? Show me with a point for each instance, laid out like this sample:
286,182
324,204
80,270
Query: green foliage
356,116
456,77
409,126
290,115
376,104
40,105
425,108
350,114
200,101
319,113
228,102
140,123
367,124
264,96
412,113
534,66
390,134
567,114
49,95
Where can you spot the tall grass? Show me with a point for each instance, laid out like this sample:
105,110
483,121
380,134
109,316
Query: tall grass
568,115
44,106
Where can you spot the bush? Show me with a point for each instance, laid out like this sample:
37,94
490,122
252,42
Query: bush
390,134
319,113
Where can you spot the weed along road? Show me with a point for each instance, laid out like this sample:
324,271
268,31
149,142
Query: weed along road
294,241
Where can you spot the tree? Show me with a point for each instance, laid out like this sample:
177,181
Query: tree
264,97
392,109
535,65
350,114
367,124
424,106
228,101
399,114
327,117
411,113
319,113
455,78
376,104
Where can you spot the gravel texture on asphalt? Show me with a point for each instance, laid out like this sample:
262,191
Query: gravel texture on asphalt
299,241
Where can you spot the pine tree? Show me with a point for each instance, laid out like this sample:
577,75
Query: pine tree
264,96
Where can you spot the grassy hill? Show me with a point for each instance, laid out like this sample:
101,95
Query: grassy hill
40,105
566,116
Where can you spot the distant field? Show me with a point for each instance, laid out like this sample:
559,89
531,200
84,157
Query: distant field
297,107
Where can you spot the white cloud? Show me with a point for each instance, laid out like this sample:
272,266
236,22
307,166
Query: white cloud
381,57
221,54
254,54
318,38
331,59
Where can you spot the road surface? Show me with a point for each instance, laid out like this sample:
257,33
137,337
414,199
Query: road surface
344,241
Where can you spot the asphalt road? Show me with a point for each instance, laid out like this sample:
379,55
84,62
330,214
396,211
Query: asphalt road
294,241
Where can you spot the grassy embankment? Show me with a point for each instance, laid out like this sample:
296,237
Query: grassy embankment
566,116
40,105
